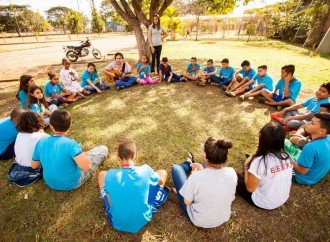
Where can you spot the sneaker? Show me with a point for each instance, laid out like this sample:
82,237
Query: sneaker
275,117
182,79
119,88
242,97
190,158
261,100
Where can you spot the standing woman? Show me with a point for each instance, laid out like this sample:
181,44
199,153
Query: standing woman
156,34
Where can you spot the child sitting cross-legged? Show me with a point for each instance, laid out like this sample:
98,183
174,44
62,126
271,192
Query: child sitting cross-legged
192,70
131,193
30,127
166,73
65,165
226,75
56,93
143,70
209,71
205,197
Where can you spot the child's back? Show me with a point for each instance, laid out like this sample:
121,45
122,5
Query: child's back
128,189
212,192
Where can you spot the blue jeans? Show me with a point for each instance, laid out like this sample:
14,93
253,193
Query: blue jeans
180,175
220,80
8,153
175,78
126,82
100,86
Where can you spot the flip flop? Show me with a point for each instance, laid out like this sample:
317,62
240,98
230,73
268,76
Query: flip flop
171,189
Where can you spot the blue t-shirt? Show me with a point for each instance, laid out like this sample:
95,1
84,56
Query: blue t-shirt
193,69
166,71
22,97
128,189
227,73
88,76
313,105
50,89
56,153
210,70
294,88
144,72
8,133
35,108
316,157
266,79
252,72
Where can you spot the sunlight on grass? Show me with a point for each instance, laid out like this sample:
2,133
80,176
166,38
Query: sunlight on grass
166,121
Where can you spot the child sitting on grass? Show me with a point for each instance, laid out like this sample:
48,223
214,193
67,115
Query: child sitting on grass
25,82
91,81
65,165
8,135
261,81
192,70
30,127
37,103
70,79
209,71
301,137
166,73
143,70
206,196
293,119
226,75
241,77
313,163
55,92
267,176
131,193
288,88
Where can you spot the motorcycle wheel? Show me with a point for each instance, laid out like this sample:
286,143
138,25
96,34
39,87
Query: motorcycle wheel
72,55
96,53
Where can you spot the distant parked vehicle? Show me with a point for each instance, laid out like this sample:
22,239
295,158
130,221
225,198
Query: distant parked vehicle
74,52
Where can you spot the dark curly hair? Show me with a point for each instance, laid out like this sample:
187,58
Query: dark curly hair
30,122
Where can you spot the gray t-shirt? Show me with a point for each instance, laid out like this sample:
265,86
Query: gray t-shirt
211,191
156,35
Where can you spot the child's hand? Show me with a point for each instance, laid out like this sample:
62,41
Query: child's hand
48,99
286,120
196,167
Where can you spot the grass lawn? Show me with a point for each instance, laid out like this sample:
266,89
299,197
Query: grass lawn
166,121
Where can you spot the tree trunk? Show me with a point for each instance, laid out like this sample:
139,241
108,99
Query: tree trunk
142,44
315,35
197,27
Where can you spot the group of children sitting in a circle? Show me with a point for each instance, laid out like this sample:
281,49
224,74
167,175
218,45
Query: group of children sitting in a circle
132,193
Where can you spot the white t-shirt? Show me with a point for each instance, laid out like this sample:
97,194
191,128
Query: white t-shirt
156,35
24,146
274,186
211,192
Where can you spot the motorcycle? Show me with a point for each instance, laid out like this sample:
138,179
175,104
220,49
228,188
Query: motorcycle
74,52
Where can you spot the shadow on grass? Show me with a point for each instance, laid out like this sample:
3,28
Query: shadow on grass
165,121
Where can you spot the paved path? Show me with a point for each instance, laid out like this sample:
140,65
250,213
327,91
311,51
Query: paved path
16,63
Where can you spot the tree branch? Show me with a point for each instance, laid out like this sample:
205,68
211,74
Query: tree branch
121,12
154,6
139,13
165,5
127,9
